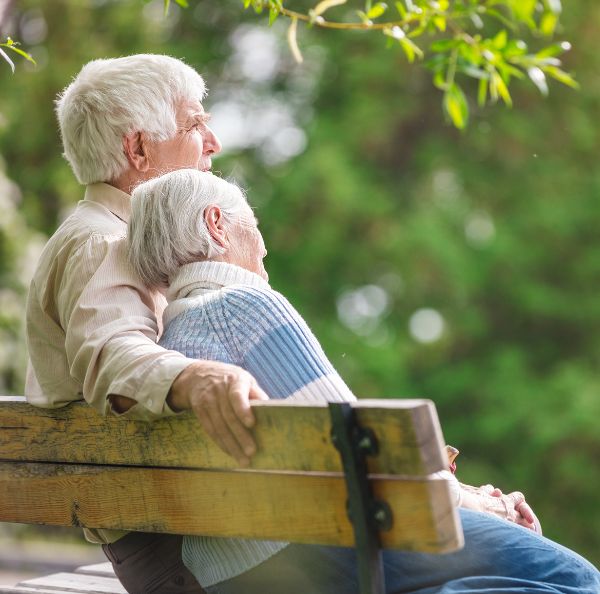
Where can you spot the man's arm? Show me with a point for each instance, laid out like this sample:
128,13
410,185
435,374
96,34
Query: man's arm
111,326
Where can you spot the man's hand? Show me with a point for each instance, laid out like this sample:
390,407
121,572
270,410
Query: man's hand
219,394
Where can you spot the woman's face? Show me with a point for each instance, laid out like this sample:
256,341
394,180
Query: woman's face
246,245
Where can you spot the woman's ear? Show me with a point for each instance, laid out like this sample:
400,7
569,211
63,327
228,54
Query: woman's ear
215,223
135,148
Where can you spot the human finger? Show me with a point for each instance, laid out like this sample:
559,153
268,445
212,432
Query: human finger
212,420
496,493
229,444
235,424
256,392
517,497
526,512
487,488
238,396
205,420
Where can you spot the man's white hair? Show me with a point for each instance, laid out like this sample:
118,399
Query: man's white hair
167,227
109,99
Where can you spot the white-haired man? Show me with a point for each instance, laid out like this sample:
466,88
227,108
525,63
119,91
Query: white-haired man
92,325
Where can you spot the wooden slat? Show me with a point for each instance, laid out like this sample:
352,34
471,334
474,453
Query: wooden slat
19,589
101,569
290,436
296,507
73,582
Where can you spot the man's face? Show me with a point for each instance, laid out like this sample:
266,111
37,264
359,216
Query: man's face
192,146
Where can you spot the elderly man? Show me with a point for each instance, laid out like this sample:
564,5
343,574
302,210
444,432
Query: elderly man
92,326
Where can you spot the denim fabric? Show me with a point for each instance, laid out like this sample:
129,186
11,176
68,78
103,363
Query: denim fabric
498,558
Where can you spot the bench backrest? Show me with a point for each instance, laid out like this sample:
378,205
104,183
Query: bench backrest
73,467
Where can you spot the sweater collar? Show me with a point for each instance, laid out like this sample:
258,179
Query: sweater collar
118,202
199,278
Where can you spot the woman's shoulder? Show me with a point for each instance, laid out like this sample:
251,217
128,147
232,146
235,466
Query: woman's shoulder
258,307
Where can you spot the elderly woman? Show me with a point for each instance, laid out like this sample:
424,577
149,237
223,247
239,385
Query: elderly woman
195,235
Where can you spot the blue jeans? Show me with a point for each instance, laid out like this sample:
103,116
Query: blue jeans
498,558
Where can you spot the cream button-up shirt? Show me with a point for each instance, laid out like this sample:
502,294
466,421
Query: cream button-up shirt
92,325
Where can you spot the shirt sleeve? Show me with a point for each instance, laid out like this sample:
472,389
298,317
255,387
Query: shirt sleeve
273,343
110,321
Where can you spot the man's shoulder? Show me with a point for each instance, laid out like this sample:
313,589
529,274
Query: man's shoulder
88,223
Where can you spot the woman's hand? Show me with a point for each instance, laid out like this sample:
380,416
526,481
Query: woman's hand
511,507
518,510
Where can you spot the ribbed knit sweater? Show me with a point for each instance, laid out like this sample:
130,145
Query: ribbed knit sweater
221,312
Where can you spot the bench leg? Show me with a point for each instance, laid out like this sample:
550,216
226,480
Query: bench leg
368,515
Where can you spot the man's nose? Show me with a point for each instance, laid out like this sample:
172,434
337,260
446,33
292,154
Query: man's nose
212,145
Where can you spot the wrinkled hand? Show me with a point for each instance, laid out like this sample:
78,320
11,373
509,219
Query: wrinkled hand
219,394
517,509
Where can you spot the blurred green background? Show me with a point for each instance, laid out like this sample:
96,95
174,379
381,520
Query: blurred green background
464,268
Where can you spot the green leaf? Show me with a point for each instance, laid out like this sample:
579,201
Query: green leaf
411,49
556,49
167,4
247,3
182,3
401,10
444,45
561,76
456,106
440,23
13,47
482,92
523,9
439,79
501,90
273,14
548,23
364,17
503,19
377,10
500,40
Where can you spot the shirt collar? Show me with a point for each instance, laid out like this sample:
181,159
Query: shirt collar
202,277
118,202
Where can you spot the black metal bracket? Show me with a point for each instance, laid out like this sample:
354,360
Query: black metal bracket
367,514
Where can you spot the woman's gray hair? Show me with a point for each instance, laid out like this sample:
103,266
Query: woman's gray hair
109,99
167,227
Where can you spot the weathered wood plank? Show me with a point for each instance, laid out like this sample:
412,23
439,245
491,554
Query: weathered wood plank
101,569
290,436
308,508
72,582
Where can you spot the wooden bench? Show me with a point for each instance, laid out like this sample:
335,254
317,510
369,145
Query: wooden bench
73,467
89,579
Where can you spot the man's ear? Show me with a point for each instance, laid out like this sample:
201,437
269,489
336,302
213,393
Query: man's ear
215,223
134,146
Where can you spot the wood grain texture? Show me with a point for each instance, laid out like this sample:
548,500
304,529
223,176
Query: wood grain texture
309,508
290,436
71,582
100,569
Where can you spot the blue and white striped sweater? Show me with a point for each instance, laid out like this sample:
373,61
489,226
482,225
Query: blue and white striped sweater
221,312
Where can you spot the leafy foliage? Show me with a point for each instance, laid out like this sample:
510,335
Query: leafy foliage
13,46
479,40
471,39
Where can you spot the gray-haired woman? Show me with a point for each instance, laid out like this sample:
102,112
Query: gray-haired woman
195,235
